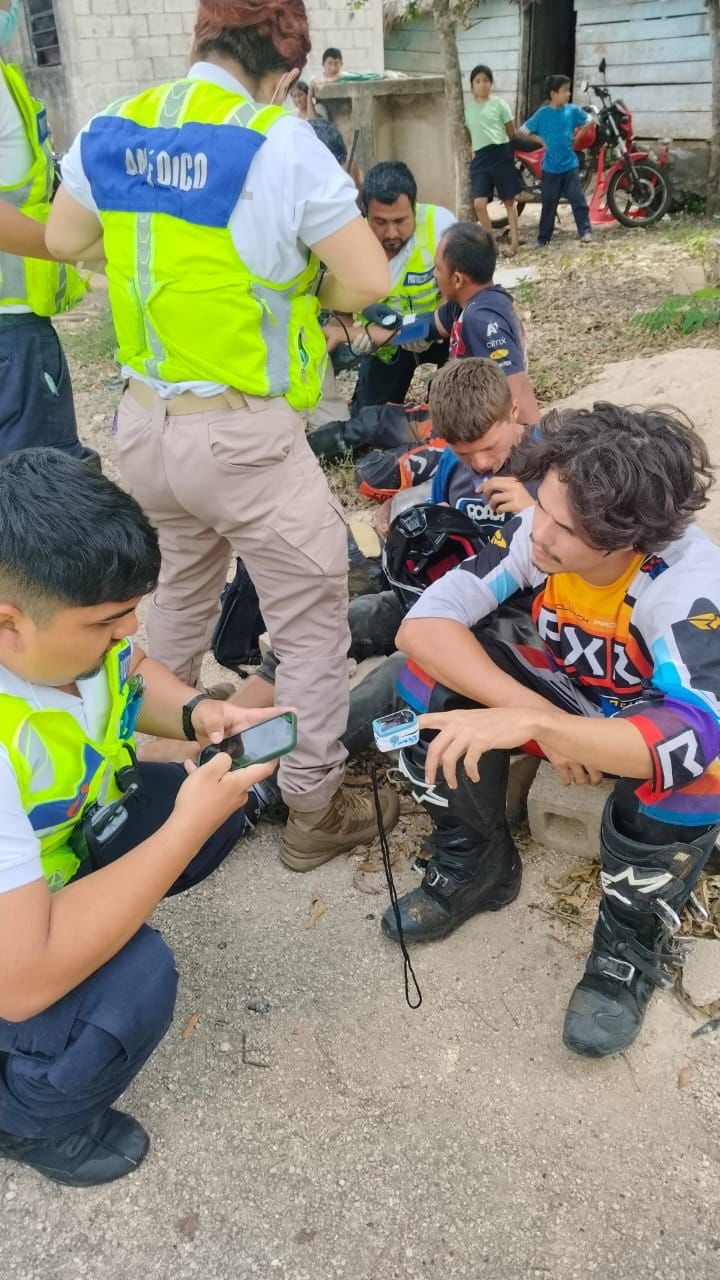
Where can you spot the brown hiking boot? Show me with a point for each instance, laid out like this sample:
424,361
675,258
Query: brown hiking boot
348,820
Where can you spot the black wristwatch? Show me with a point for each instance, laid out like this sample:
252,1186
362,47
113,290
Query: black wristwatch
187,711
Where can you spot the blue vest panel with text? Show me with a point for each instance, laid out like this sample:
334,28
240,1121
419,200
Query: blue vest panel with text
195,172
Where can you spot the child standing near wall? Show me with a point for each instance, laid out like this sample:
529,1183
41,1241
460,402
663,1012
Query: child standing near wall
555,123
492,169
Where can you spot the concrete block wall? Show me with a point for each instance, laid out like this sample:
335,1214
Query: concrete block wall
358,33
110,48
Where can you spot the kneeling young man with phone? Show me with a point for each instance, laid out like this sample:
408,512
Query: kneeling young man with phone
92,840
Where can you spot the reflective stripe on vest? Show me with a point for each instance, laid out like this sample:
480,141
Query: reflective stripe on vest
71,770
45,287
166,169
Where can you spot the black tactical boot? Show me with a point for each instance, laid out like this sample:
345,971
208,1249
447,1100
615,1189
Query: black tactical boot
645,887
474,865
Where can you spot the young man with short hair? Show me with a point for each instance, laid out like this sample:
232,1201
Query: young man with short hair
91,840
477,315
627,594
409,232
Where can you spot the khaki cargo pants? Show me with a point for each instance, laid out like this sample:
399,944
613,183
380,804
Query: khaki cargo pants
244,481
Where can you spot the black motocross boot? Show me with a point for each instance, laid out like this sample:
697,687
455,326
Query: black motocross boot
644,889
474,865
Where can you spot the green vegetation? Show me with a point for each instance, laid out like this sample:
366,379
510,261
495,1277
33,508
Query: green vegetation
93,344
699,310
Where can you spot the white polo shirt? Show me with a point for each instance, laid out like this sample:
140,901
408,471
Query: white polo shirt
295,195
15,152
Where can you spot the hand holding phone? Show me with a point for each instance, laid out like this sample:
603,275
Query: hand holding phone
268,740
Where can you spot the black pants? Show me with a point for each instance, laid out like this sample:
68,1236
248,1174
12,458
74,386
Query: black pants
382,383
68,1064
36,399
554,187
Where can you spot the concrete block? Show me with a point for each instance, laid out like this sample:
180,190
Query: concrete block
701,972
180,45
110,6
165,24
135,70
566,818
168,68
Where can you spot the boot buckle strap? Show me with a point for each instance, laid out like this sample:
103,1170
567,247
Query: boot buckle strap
434,879
611,967
665,913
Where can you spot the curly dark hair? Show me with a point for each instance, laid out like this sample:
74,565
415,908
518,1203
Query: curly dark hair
636,477
262,35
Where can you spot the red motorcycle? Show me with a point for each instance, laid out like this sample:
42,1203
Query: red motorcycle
628,186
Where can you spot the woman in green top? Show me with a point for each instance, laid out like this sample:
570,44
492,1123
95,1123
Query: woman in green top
492,169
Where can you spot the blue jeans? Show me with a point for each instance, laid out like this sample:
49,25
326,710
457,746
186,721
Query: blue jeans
554,187
36,399
68,1064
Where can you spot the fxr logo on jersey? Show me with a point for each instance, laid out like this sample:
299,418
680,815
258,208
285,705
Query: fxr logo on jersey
594,660
706,621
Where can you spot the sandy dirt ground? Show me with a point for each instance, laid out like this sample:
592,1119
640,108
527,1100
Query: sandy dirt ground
341,1136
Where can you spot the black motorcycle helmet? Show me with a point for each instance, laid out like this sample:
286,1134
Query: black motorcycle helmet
424,542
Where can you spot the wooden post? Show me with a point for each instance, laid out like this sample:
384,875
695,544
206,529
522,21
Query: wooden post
446,24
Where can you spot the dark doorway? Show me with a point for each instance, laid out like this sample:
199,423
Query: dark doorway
548,48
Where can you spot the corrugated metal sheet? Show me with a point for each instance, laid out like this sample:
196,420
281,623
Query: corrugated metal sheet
493,37
658,55
658,59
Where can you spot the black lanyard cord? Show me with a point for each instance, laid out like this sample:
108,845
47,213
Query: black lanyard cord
408,971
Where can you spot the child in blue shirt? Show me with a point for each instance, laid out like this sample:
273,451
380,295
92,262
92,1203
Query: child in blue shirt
555,122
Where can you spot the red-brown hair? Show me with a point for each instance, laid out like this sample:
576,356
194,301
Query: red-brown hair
262,35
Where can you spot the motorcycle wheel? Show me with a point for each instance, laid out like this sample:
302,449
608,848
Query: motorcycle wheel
640,201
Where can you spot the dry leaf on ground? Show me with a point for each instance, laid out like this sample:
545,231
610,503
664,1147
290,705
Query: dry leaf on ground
317,910
190,1025
685,1075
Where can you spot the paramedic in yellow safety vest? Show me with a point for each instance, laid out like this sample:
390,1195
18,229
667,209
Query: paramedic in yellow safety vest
36,399
216,206
409,234
90,841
